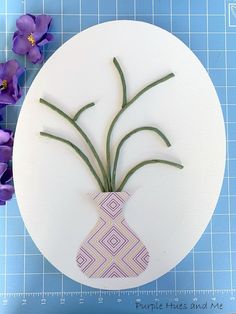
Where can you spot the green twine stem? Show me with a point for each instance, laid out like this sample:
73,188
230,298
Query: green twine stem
118,67
109,177
142,164
125,138
79,152
108,141
82,110
149,86
83,134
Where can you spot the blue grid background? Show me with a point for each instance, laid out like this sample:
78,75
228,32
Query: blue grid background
28,282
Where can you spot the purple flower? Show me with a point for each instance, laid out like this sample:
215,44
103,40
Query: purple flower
10,90
31,35
6,143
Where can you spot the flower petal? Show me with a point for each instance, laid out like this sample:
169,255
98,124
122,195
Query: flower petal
15,89
42,24
16,34
7,176
6,99
19,72
5,153
10,142
2,203
45,39
35,55
21,45
6,192
26,24
10,69
3,168
4,137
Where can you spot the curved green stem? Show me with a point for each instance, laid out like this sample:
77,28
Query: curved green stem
108,141
82,110
149,86
83,134
122,78
125,138
80,153
142,164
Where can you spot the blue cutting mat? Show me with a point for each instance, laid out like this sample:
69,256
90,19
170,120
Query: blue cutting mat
207,276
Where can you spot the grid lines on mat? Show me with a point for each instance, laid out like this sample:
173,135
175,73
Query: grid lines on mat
208,28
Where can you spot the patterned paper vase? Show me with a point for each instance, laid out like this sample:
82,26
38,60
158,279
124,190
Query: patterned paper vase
112,249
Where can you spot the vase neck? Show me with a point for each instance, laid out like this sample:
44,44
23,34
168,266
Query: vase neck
110,204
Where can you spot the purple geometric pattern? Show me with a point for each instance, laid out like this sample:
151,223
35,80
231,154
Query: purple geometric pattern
112,249
112,205
84,260
113,240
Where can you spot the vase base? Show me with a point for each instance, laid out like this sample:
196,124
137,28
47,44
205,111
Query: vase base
112,249
131,265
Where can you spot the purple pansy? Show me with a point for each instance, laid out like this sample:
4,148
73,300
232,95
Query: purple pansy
6,143
31,36
10,91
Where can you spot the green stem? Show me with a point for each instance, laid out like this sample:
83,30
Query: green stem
125,138
118,67
79,152
87,140
149,86
82,110
142,164
108,141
